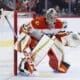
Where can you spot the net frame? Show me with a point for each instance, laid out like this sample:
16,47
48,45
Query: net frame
33,15
15,39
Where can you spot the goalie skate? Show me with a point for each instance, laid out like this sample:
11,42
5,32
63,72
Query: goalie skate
26,66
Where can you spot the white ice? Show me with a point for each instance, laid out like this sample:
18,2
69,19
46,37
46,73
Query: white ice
44,72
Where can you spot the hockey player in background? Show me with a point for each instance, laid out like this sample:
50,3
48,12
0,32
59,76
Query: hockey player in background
44,35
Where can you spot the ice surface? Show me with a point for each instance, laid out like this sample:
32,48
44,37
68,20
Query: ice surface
44,72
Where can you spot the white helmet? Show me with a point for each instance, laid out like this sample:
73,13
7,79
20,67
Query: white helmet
51,16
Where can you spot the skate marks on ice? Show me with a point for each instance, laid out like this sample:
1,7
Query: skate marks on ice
47,76
72,55
43,70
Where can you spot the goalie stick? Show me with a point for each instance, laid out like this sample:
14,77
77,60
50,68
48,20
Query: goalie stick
10,26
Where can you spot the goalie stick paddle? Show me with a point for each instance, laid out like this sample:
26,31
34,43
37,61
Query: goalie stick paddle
10,26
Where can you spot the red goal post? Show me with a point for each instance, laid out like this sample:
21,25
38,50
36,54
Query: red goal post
15,39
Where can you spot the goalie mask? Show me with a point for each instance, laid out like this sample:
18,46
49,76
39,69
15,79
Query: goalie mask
51,16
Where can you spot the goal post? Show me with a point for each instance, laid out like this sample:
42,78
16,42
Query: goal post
20,18
15,39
